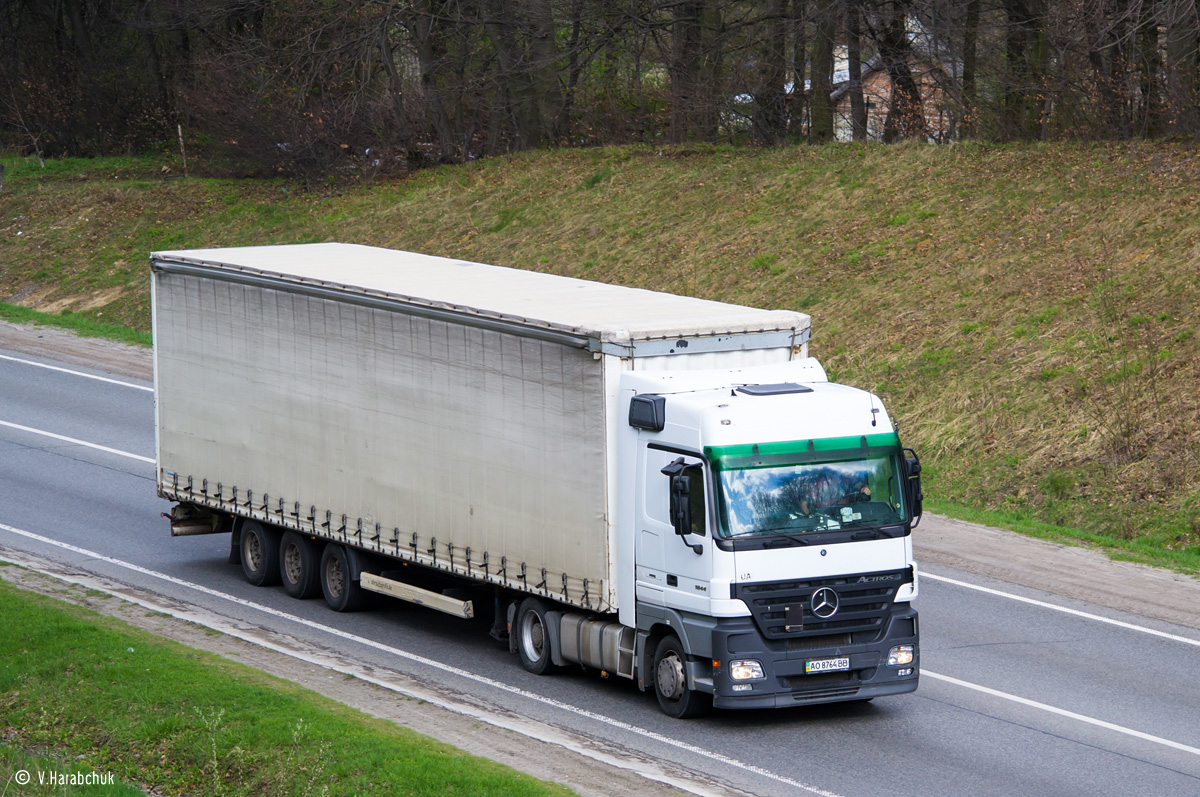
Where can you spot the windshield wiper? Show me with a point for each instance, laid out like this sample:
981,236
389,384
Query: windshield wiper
778,539
868,534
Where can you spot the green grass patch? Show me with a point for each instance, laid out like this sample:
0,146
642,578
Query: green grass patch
80,687
80,325
765,262
599,177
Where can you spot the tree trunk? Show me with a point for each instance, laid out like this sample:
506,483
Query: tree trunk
970,93
858,108
516,85
404,132
694,72
80,34
824,36
906,112
1182,68
684,66
1027,54
1150,72
770,102
798,98
562,119
426,27
543,68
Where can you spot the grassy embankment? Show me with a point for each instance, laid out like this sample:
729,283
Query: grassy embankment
1027,312
83,693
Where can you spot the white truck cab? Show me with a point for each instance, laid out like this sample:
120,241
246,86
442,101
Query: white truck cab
766,513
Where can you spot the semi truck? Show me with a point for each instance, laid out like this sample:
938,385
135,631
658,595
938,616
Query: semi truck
652,486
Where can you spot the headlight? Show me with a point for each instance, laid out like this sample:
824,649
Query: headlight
745,670
900,655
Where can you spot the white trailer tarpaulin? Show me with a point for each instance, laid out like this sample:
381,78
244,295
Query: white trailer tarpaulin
417,406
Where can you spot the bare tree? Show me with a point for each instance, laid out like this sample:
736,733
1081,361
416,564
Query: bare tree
824,39
770,96
906,113
695,69
858,108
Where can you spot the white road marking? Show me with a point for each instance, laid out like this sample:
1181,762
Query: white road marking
447,668
77,373
1061,712
72,440
1055,607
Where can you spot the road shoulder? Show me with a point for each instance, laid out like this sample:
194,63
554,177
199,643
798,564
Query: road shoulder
1064,570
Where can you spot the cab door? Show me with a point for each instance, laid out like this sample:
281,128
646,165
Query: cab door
673,570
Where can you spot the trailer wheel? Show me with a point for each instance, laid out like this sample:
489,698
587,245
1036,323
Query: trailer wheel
259,546
533,637
298,566
675,697
342,592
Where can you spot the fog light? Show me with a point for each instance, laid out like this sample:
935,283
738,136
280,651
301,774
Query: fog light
900,655
905,671
745,670
742,687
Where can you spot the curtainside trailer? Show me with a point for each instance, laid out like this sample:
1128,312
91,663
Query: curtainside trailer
658,487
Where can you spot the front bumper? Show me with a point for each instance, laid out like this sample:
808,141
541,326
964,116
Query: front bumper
783,661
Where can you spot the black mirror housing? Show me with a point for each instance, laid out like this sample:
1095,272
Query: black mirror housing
681,490
912,486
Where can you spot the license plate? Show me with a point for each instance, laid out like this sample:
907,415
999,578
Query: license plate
827,665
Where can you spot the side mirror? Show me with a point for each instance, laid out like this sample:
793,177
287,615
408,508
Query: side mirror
681,505
912,485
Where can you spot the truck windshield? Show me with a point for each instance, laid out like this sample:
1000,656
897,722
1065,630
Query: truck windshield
810,497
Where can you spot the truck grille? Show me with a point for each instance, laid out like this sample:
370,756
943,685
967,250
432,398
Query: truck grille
864,604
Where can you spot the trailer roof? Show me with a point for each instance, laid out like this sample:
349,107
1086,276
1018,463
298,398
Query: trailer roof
607,313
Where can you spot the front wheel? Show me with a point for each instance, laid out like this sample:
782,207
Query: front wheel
675,697
533,637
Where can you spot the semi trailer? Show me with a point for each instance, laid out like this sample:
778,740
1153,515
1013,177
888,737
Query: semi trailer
656,487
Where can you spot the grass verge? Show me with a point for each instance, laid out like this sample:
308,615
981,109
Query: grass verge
80,687
1182,558
85,327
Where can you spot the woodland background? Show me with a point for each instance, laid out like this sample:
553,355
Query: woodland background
316,86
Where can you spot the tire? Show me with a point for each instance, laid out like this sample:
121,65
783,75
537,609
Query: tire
342,593
298,566
675,698
259,547
533,637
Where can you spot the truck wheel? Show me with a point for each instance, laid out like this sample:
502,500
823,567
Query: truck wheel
342,593
533,637
675,698
260,553
298,566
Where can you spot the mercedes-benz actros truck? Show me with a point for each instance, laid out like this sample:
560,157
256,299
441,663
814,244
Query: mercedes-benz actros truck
657,487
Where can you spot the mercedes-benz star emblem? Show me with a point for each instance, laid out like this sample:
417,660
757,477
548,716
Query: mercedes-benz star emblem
824,602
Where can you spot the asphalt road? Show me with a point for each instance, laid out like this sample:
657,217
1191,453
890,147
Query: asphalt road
1047,695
